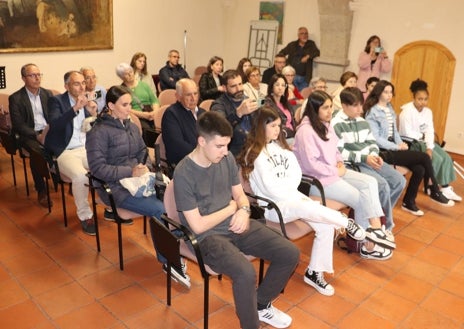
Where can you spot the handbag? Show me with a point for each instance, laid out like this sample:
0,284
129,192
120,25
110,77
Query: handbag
146,108
5,120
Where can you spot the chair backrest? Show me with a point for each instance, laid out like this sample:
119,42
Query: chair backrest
4,101
167,168
206,104
8,142
305,92
170,202
159,115
136,121
200,70
167,97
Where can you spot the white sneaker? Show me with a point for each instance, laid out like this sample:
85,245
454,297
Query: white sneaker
274,317
378,253
450,194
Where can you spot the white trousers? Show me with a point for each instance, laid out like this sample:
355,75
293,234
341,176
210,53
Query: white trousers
73,164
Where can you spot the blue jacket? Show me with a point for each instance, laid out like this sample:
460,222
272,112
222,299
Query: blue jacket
113,149
379,125
60,119
179,132
169,75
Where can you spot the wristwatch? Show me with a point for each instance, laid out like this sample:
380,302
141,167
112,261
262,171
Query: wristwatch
247,209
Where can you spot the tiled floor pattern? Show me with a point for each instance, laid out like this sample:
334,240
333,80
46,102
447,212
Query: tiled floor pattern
52,277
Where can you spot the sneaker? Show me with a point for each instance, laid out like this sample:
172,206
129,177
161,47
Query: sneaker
412,209
109,216
439,198
378,253
355,231
317,281
43,199
274,317
388,233
427,190
182,278
88,226
378,236
449,193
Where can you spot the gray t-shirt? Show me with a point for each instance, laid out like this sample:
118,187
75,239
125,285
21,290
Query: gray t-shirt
208,189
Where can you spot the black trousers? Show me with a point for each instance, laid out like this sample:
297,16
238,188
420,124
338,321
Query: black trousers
420,165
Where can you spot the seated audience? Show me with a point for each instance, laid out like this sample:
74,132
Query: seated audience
381,117
347,79
66,141
279,63
179,122
317,153
140,67
144,102
115,154
211,202
277,95
172,71
294,96
93,91
236,108
29,119
211,84
416,121
243,65
254,89
359,150
273,171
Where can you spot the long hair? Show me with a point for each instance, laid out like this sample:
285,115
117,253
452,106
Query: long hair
374,96
315,101
367,49
270,89
418,85
136,57
256,140
240,68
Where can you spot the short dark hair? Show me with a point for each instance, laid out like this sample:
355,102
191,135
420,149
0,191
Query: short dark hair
229,75
24,68
418,85
210,124
68,74
347,76
115,92
351,96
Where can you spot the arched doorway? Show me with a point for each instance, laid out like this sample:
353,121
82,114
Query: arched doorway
429,61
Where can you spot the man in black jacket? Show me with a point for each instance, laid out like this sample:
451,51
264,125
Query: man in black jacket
300,54
29,117
172,72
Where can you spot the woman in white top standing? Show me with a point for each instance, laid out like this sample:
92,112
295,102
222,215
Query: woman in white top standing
273,171
416,121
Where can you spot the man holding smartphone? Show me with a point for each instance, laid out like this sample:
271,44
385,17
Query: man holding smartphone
93,91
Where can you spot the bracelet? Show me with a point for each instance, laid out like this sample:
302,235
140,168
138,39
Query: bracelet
247,209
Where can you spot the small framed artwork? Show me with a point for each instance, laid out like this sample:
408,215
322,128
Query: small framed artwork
273,11
55,25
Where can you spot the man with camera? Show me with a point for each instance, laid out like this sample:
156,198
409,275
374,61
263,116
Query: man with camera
93,91
237,108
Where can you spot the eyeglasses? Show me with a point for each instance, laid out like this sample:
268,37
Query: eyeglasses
289,75
321,87
175,56
34,75
257,75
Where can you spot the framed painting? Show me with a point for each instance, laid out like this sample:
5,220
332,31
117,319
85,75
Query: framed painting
55,25
273,11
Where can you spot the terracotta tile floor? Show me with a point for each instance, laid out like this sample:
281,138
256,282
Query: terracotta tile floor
52,277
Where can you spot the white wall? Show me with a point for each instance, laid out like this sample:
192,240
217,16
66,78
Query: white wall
221,27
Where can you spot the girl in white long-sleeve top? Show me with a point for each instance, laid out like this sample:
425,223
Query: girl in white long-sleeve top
273,170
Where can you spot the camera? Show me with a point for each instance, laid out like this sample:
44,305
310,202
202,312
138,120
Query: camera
260,102
378,50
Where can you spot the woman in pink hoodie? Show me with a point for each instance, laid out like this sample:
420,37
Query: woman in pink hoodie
372,61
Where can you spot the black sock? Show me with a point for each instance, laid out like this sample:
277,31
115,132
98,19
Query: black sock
263,306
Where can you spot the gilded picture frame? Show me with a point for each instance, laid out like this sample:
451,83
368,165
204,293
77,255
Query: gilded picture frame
55,25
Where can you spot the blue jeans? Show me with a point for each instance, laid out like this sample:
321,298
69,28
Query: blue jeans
300,82
391,185
148,206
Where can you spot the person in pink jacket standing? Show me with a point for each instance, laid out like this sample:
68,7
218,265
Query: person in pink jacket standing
372,61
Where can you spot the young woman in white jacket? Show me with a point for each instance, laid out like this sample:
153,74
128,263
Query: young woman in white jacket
273,171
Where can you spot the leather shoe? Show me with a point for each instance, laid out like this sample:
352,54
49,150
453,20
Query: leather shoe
43,200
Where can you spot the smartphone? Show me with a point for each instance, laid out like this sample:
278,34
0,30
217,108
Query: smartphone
378,50
260,102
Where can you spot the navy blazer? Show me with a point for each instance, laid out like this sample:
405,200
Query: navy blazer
60,119
22,116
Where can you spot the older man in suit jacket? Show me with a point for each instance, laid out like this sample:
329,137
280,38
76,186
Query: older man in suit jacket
66,141
29,117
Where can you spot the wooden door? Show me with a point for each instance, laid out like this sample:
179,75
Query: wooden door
433,63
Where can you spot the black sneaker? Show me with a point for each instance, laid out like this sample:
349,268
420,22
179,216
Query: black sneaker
355,231
439,198
412,209
183,278
109,216
317,281
88,226
378,236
